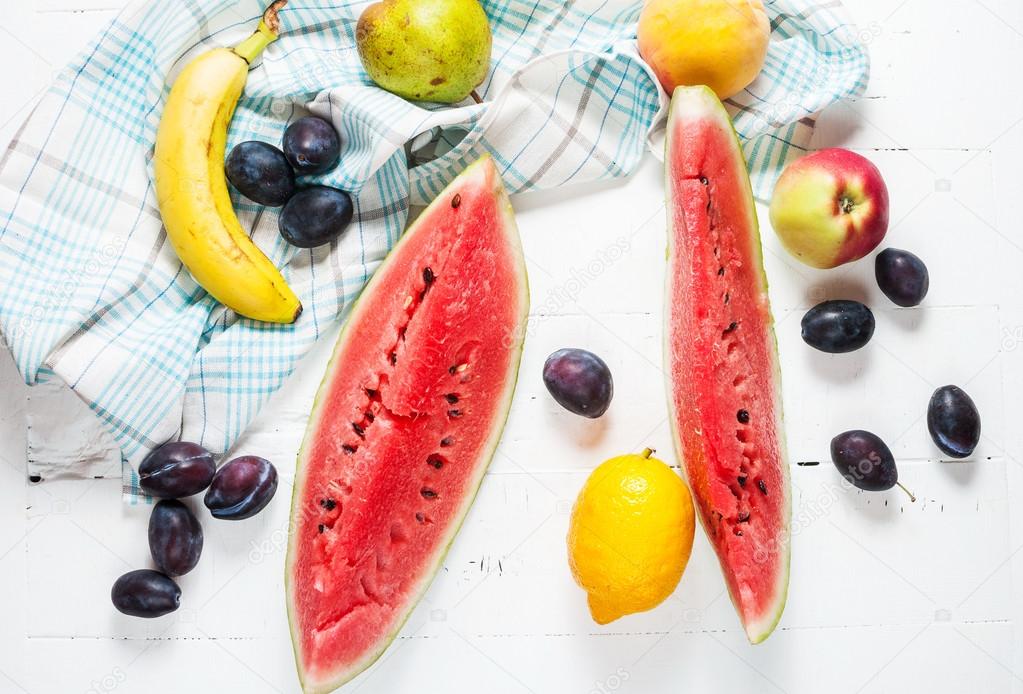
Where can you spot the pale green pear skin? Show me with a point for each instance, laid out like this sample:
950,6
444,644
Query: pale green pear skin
425,50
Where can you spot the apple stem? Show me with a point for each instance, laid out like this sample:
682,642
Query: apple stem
912,498
475,97
647,452
847,205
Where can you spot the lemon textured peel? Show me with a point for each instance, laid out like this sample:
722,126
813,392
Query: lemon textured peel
630,535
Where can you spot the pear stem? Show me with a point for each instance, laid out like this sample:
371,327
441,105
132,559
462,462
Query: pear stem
475,97
647,452
912,498
265,34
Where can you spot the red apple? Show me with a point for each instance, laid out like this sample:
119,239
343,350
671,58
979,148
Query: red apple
830,208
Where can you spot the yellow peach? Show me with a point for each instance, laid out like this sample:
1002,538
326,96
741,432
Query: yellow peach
719,43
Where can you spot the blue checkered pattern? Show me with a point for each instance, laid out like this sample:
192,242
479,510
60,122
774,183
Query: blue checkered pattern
93,294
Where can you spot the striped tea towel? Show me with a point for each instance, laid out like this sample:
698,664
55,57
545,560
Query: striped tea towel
93,295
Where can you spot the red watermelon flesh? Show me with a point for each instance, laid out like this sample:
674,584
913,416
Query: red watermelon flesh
404,426
723,375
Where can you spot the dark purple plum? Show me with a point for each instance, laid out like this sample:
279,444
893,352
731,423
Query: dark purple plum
315,215
865,461
580,381
261,173
838,326
145,593
953,421
312,146
901,276
241,488
175,538
177,469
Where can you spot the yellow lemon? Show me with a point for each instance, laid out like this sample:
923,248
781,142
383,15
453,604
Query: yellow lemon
719,43
630,535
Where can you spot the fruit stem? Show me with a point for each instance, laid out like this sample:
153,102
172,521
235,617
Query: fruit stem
911,497
475,97
647,452
265,34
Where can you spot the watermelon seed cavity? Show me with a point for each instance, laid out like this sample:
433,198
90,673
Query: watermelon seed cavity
446,441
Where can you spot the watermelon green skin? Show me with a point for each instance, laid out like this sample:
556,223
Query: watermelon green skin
404,426
722,359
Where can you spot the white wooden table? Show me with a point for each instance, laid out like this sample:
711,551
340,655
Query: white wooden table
886,596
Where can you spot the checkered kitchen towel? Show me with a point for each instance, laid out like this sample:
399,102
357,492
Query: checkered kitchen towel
92,294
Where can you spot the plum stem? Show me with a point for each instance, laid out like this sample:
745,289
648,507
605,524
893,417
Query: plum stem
912,498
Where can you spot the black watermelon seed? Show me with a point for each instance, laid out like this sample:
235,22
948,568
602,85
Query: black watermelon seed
435,460
428,276
347,449
744,517
742,416
321,527
721,271
372,393
451,398
446,441
420,517
454,413
731,326
742,481
359,430
328,504
703,180
394,358
763,486
369,416
428,493
456,201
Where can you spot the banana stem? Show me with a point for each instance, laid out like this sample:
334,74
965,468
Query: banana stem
265,34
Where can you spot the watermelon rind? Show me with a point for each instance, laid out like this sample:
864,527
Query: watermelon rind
482,167
696,103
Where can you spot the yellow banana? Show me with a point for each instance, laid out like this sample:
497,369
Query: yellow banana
191,187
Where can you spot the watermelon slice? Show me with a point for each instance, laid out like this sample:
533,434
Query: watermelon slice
404,426
722,362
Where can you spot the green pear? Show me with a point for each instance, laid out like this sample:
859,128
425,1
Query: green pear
425,50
